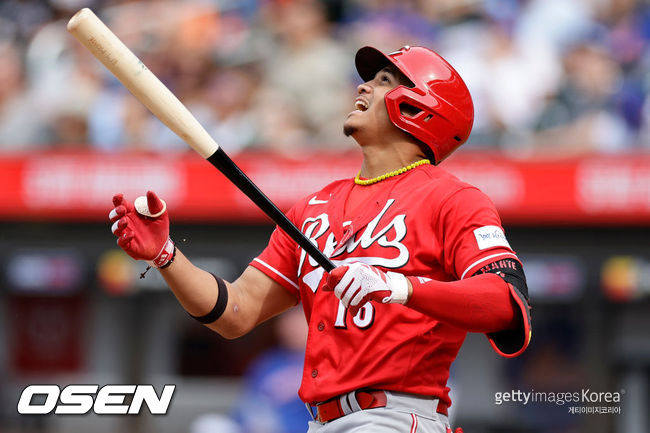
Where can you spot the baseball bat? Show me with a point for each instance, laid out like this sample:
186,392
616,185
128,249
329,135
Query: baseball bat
88,29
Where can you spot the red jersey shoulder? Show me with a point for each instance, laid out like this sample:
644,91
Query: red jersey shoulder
464,219
443,179
435,186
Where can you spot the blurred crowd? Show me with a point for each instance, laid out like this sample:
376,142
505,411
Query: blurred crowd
548,77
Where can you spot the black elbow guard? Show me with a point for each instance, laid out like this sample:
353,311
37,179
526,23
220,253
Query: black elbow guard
512,342
511,271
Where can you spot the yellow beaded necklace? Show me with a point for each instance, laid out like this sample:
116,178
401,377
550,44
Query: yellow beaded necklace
397,172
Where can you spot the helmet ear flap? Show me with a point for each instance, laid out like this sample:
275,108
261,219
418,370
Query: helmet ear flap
410,111
411,116
425,117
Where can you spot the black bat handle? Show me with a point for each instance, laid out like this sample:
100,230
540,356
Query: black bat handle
227,166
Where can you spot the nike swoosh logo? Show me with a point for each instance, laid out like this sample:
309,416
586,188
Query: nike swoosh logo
313,200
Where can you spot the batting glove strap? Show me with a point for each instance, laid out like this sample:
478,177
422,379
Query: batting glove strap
166,255
399,287
358,283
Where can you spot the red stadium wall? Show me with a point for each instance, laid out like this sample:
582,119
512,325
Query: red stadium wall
78,186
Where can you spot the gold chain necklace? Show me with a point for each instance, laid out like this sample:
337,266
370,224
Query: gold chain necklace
397,172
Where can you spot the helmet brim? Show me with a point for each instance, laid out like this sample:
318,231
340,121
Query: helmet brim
369,61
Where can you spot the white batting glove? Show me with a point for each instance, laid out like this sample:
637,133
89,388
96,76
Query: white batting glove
357,283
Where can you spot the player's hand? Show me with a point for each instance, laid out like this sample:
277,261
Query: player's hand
357,283
142,228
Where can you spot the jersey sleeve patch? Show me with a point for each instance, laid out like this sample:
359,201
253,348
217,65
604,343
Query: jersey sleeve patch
490,237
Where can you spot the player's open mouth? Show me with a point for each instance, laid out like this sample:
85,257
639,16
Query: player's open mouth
361,104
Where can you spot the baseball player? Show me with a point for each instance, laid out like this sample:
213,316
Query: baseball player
421,260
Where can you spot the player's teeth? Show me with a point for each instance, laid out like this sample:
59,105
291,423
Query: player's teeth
361,105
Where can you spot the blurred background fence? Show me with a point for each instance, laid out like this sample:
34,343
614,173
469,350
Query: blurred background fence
560,144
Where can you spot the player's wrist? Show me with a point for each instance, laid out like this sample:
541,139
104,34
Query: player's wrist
410,291
414,283
399,286
165,257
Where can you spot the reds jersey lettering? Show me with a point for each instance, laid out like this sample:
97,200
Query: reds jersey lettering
376,231
421,223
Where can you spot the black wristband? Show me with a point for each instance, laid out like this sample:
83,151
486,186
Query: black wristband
219,307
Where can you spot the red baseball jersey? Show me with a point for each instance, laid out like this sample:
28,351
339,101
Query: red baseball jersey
426,223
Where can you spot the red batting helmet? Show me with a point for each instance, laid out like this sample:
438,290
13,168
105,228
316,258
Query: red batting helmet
446,110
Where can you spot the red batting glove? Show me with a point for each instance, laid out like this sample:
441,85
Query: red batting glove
358,283
142,228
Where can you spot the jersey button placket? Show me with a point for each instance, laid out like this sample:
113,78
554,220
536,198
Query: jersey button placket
314,373
321,326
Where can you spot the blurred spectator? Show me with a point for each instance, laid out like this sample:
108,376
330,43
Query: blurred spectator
230,95
117,121
498,71
554,24
582,115
307,72
20,124
629,44
270,402
19,19
548,76
214,423
35,108
175,43
390,24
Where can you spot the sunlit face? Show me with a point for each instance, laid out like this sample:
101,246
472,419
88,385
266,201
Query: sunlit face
370,119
